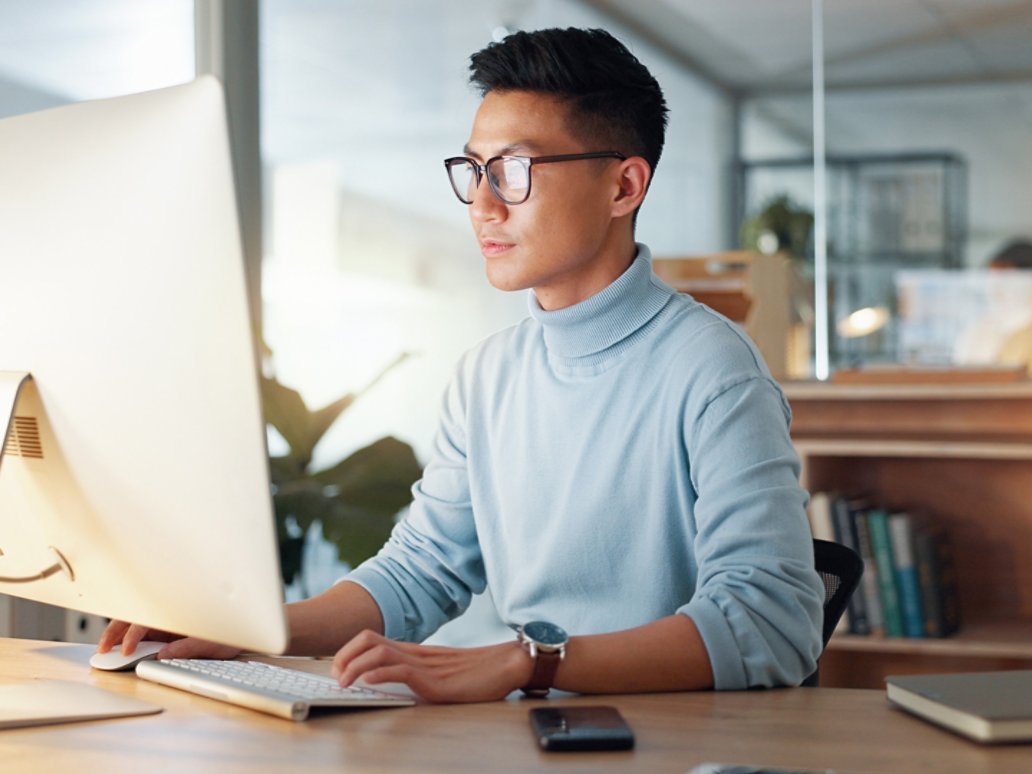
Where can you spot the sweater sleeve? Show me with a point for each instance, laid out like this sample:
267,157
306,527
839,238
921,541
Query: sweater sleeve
758,600
431,565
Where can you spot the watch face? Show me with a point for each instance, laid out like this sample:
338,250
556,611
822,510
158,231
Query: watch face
545,633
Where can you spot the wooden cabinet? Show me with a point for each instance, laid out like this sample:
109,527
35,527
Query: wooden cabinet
956,455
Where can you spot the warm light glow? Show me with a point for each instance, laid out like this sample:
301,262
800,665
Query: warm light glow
863,322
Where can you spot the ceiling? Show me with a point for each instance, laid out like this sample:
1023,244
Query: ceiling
764,46
746,47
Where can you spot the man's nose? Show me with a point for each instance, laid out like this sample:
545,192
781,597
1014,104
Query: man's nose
486,205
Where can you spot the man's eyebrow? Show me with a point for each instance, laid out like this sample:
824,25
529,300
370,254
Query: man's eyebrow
519,147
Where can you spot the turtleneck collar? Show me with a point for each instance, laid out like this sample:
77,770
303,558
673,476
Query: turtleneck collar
589,332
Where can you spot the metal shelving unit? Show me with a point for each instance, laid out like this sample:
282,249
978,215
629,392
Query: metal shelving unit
886,212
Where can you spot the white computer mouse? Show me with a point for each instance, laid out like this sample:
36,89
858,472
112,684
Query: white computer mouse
114,660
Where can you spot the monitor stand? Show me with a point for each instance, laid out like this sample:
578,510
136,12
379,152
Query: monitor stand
20,435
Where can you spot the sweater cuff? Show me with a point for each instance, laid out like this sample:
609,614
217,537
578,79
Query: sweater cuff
386,598
721,646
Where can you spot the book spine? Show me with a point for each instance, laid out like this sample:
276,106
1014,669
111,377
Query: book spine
901,534
846,535
929,578
881,543
869,580
948,589
819,513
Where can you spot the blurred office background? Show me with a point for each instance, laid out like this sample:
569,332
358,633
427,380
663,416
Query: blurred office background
363,254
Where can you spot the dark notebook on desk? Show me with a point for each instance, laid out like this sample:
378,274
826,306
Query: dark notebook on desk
984,706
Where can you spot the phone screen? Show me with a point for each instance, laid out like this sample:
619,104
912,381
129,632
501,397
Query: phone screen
581,728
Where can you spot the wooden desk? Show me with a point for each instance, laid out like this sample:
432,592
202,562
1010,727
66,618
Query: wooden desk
850,730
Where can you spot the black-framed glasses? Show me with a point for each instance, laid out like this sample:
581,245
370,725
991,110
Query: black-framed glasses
508,176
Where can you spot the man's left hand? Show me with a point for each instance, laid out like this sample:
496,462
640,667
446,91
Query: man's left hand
435,674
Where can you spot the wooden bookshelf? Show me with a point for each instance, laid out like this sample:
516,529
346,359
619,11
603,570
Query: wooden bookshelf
959,456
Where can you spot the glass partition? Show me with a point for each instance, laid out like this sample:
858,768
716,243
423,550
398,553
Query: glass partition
927,172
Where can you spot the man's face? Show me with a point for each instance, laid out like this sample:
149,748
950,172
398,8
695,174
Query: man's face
562,240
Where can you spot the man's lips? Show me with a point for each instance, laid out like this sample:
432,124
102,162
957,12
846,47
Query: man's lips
492,247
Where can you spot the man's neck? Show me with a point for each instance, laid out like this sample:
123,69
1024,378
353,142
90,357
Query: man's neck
608,265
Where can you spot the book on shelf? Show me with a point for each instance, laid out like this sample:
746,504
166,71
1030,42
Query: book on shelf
901,533
843,523
909,584
888,587
869,580
984,706
933,554
819,514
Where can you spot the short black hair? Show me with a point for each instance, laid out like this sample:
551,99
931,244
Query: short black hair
614,100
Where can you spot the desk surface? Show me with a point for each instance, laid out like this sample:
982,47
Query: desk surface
820,728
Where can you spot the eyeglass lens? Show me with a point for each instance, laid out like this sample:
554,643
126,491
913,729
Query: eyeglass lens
508,177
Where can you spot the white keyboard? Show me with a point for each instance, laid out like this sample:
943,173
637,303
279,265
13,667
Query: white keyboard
287,693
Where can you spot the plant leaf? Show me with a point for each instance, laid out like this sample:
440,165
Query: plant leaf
303,501
297,504
358,533
368,489
291,550
285,410
283,470
378,476
321,420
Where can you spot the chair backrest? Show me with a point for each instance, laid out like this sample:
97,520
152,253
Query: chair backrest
840,569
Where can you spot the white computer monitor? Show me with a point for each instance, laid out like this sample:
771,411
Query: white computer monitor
134,476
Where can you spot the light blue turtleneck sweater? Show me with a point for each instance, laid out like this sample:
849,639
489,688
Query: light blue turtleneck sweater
608,464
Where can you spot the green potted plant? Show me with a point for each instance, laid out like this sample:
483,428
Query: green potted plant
780,226
355,501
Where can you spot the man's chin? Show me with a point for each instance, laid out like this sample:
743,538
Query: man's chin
506,281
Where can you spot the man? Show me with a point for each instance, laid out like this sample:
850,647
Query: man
617,465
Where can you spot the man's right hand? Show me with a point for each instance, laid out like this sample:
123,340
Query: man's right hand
130,635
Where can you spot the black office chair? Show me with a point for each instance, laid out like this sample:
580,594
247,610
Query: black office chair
841,569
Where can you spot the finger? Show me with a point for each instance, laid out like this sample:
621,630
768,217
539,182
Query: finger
379,656
368,639
111,636
369,649
423,683
356,658
357,645
395,673
192,647
132,638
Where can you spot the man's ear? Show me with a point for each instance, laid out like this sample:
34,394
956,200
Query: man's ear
635,174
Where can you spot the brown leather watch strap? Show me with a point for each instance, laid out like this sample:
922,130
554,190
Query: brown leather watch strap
546,664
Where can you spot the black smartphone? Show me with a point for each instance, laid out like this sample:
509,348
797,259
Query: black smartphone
581,728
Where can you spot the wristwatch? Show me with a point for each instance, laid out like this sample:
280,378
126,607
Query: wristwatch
546,644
